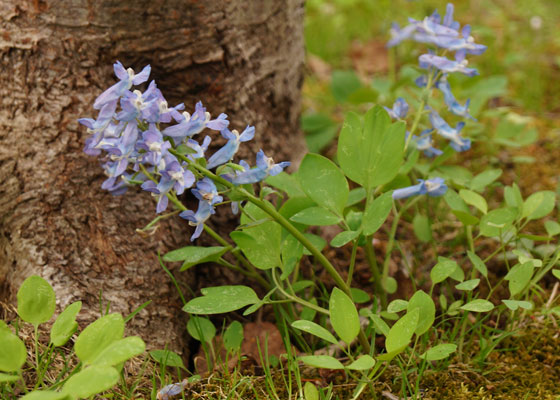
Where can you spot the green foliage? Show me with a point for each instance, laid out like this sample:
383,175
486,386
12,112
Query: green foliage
100,347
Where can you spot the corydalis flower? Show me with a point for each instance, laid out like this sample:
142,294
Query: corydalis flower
226,153
432,187
446,65
452,103
265,167
425,144
399,110
204,211
207,191
127,79
190,125
458,142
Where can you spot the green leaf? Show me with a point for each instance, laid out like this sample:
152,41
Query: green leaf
539,205
317,241
167,358
343,84
314,329
12,351
376,213
439,352
233,336
65,325
344,237
90,381
482,180
455,202
310,391
292,251
193,255
316,216
513,197
513,305
379,324
477,263
556,273
46,395
344,316
98,336
258,253
119,351
323,182
221,299
326,362
372,154
287,183
465,218
478,305
497,221
468,285
362,363
401,332
201,329
359,296
474,199
36,300
8,378
519,277
397,305
355,196
422,228
389,284
552,228
427,311
442,270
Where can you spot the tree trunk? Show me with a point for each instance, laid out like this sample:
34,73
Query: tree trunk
239,57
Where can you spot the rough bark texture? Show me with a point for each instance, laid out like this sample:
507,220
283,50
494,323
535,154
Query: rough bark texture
239,57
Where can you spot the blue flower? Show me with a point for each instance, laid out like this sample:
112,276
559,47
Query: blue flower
190,125
199,218
206,191
458,142
399,110
127,79
452,104
226,153
265,167
432,187
424,143
133,103
180,177
159,191
446,65
156,148
199,149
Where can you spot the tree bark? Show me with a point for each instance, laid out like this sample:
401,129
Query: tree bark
239,57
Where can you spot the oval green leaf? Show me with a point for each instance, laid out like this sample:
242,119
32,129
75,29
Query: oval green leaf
478,305
221,299
326,362
468,285
119,351
36,300
323,182
65,325
344,316
316,216
376,213
90,381
98,336
439,352
167,358
12,351
401,332
233,336
314,329
362,363
201,329
427,311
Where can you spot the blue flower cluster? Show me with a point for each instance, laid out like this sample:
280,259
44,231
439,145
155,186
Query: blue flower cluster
448,35
140,141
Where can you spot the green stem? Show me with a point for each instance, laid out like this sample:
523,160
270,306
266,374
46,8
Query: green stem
297,299
372,261
423,102
352,263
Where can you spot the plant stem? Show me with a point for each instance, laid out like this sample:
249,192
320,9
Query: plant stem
423,102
